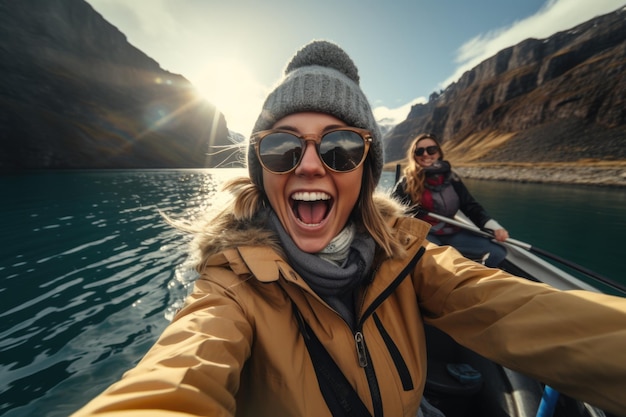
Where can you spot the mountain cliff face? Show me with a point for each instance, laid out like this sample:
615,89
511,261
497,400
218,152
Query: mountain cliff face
75,94
560,99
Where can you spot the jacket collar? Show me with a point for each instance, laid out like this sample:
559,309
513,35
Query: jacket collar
267,264
252,249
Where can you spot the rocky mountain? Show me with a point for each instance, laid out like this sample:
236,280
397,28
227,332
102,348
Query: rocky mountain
75,94
560,99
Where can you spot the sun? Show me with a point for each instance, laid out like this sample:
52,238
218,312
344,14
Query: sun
234,90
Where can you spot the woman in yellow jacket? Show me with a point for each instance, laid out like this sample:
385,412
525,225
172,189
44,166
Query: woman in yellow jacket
306,253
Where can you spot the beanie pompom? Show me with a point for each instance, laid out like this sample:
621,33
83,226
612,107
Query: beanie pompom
324,54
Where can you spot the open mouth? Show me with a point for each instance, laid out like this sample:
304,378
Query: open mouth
311,208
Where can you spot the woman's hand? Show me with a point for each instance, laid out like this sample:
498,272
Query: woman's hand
501,234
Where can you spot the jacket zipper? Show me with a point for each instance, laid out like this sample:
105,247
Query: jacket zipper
359,341
370,375
361,347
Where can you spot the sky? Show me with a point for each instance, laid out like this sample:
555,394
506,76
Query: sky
234,51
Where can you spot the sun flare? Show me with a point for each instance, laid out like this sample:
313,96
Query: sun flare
231,87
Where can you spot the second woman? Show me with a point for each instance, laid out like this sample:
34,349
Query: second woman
429,185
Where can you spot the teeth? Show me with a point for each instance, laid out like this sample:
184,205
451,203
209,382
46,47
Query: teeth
306,196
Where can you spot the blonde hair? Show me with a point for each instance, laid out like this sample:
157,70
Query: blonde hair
369,214
366,214
244,211
414,173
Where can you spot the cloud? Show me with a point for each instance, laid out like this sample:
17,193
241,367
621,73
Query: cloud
386,116
553,17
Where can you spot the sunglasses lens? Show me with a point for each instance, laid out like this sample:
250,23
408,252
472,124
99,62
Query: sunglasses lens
342,150
280,152
339,150
431,150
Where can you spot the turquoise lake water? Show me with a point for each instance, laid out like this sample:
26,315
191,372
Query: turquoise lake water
90,273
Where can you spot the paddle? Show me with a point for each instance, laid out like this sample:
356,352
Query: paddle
530,248
548,402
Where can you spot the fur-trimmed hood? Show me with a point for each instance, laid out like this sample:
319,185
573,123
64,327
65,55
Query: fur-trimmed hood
225,231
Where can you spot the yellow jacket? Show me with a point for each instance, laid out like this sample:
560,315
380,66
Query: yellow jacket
235,347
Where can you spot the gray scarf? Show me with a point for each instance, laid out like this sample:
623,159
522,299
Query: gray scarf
335,284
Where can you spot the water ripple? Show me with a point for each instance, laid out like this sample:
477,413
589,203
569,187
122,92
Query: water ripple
86,281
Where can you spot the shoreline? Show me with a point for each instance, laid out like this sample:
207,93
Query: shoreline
596,173
609,176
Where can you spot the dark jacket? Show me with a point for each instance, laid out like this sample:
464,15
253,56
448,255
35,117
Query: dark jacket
444,194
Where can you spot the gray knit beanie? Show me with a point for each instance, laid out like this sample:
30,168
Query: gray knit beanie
321,77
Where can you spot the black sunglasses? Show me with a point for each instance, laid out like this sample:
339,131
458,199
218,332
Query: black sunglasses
340,150
431,150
